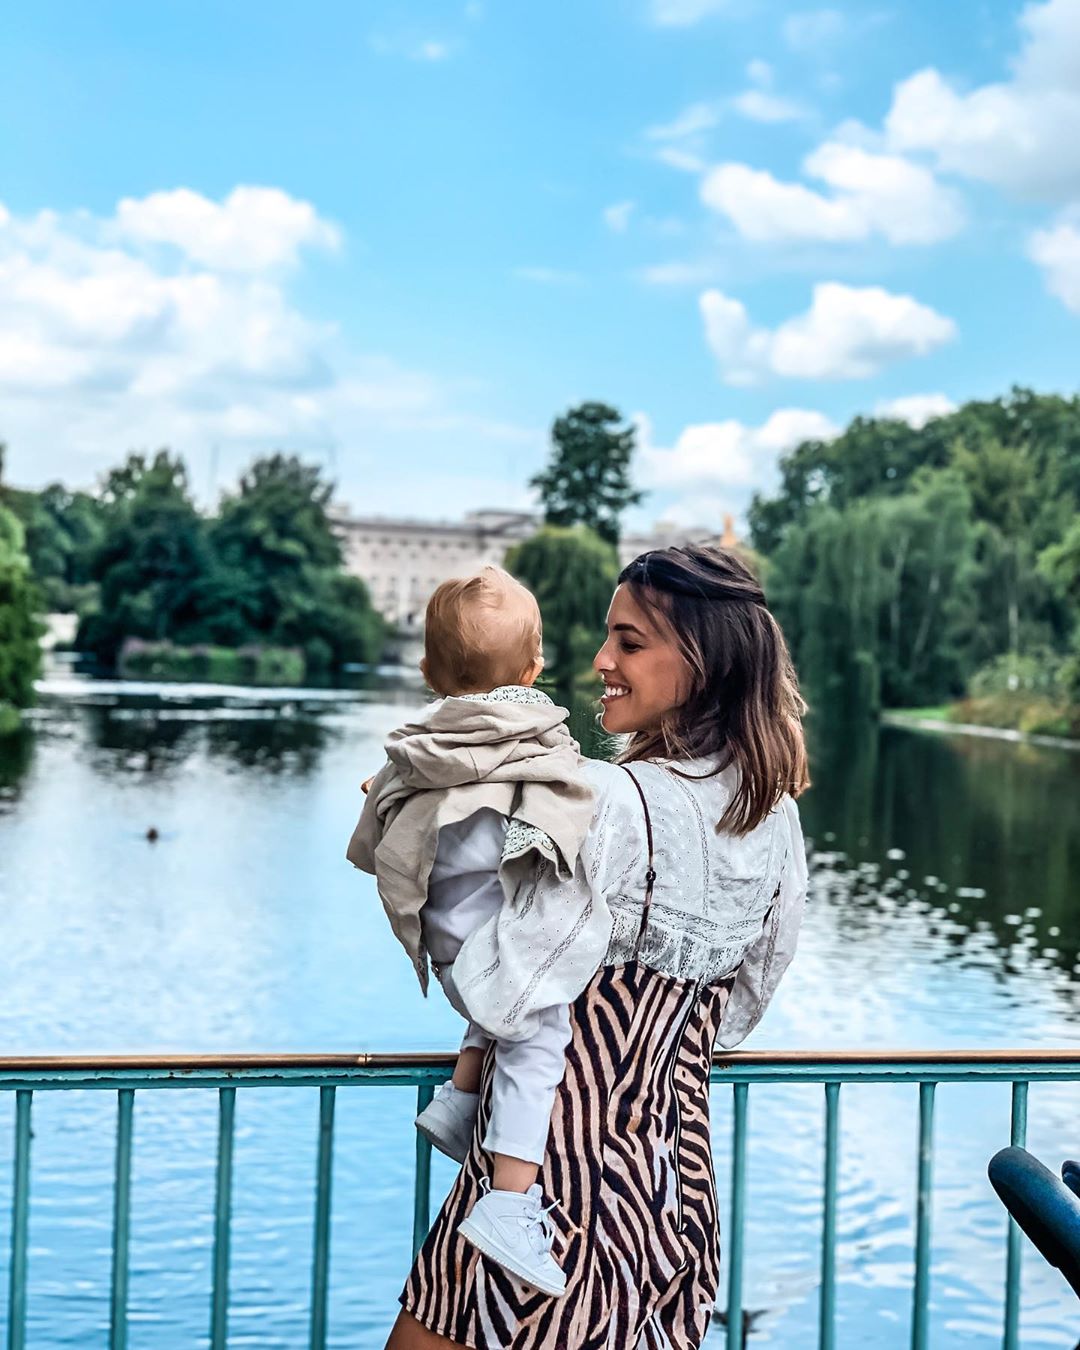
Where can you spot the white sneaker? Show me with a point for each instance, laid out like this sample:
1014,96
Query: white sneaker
513,1230
448,1121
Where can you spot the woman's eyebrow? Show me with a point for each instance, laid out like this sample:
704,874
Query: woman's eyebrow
626,628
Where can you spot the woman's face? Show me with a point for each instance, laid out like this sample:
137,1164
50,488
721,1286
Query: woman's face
644,673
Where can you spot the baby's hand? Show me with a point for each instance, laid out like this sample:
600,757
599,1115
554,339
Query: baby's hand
366,784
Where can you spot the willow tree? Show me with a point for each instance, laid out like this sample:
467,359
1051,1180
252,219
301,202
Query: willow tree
20,632
877,599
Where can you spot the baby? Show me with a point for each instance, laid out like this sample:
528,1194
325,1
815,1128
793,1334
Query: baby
491,754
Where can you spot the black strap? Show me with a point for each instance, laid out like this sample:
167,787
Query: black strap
650,873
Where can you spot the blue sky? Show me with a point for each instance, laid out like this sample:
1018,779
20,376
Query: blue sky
401,238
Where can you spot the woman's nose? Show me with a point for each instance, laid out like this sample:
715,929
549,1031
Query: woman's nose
602,661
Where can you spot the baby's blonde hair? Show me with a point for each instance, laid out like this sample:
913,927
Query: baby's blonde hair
480,632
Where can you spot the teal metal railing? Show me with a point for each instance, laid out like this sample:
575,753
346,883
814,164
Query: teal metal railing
225,1074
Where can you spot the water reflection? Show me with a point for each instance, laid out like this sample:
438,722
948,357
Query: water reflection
977,828
16,756
245,929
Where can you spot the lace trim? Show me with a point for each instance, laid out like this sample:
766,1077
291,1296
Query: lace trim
509,693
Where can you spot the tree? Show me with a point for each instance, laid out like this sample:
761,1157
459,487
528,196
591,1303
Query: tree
20,632
588,479
572,572
276,572
64,530
876,598
151,559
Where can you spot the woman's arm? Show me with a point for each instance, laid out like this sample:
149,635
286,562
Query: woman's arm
551,934
770,956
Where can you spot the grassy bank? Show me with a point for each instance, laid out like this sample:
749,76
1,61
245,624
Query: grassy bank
1031,715
212,665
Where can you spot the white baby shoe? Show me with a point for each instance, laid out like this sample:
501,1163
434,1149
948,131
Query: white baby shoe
448,1121
513,1230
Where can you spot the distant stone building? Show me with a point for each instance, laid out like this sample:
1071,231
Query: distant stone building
402,561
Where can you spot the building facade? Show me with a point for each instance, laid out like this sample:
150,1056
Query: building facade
402,561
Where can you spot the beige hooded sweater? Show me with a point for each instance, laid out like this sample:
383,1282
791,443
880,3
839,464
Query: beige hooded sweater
508,750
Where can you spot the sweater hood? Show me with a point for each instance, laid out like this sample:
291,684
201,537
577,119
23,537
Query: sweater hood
466,738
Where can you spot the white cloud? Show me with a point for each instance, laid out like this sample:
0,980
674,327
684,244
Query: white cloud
680,274
548,276
109,342
1057,251
1021,134
683,13
759,72
915,409
728,454
253,229
415,48
813,29
617,216
683,142
761,104
869,194
758,105
430,50
847,333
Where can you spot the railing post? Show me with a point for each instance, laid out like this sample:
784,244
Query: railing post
20,1223
125,1099
422,1179
920,1323
738,1198
321,1262
219,1306
827,1328
1014,1249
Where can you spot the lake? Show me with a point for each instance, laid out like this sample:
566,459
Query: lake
943,912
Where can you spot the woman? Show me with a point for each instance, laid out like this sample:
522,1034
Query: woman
696,854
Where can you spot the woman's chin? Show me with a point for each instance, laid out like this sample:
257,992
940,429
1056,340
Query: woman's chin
614,720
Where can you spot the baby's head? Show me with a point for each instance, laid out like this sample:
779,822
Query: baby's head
481,632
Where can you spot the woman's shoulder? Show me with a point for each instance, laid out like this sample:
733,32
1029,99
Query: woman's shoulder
611,785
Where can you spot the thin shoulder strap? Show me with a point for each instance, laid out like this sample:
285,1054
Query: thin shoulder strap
650,873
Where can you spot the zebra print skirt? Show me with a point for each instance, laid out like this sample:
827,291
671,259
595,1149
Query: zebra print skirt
629,1162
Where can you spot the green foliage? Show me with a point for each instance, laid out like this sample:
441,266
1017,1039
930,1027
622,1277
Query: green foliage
1000,578
214,665
588,479
876,599
20,631
265,573
151,558
64,530
572,572
276,575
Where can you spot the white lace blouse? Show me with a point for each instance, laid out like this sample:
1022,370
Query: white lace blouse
721,903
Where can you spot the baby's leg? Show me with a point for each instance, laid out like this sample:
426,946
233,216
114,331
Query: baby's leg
527,1076
470,1061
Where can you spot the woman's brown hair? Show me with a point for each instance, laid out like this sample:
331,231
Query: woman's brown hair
744,703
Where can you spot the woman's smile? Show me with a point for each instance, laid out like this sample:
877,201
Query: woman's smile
612,691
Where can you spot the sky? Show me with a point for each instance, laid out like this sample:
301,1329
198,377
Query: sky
399,239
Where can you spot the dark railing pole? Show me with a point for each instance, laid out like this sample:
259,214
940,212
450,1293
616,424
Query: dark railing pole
738,1203
20,1223
827,1331
219,1306
125,1100
321,1263
1013,1250
422,1181
920,1323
